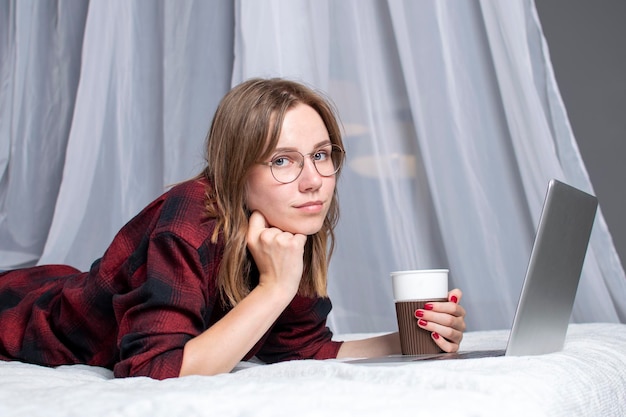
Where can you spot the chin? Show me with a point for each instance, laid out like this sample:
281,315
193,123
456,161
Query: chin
303,231
303,228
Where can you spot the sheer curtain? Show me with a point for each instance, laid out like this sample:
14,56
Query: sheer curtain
453,126
149,77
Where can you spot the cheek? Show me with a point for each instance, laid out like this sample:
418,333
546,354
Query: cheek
251,192
251,199
258,194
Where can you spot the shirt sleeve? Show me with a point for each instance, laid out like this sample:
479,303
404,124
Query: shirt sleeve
301,333
159,316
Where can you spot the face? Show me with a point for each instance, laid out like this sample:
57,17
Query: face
299,206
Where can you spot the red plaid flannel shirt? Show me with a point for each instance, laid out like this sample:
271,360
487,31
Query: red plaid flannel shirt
137,306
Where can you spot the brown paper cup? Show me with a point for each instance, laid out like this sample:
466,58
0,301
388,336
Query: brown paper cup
413,339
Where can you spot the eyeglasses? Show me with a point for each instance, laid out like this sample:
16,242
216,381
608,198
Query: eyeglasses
287,166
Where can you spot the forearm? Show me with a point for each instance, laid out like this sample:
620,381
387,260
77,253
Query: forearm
366,348
219,348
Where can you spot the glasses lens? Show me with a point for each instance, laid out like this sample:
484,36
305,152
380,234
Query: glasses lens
327,160
287,166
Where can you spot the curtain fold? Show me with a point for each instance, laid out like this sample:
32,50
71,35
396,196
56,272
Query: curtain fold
39,71
151,78
546,147
458,115
452,117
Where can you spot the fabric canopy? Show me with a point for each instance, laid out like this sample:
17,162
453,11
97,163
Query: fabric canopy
453,127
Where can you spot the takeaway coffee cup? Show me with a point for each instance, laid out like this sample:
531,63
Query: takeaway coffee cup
411,290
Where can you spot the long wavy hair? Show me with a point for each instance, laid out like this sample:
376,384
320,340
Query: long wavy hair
244,131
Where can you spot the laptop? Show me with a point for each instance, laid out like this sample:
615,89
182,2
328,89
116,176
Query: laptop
547,297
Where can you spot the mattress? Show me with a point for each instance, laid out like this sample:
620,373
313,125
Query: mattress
587,378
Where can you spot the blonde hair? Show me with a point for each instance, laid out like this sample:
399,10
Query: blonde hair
244,131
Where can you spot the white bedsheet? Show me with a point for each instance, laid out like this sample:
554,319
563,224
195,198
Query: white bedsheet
588,378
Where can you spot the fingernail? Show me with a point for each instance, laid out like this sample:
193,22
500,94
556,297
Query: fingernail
428,306
454,299
422,322
435,335
419,313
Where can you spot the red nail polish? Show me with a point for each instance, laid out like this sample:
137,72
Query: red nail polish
435,335
428,306
454,299
422,322
419,313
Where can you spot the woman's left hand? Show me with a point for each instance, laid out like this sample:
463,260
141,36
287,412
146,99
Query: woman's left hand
445,321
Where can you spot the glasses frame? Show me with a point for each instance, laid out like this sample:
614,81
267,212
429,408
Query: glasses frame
334,148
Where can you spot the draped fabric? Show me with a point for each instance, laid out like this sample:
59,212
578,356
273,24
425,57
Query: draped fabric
452,117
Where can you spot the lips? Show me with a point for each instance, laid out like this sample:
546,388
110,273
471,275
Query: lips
310,204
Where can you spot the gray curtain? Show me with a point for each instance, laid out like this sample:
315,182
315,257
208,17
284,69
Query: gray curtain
453,126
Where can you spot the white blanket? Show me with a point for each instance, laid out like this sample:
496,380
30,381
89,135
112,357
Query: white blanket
588,378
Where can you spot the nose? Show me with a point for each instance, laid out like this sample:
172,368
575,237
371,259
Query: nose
309,179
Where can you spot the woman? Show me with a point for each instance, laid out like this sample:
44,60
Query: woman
226,266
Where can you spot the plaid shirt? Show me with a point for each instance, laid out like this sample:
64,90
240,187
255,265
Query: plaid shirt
152,291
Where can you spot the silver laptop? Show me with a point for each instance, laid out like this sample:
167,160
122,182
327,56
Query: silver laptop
547,297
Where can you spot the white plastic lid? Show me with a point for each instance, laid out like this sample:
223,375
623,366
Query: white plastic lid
421,284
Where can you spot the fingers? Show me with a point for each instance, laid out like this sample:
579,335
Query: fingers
445,320
445,344
455,296
262,236
447,338
278,255
256,225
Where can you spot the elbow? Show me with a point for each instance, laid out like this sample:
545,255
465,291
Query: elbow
198,362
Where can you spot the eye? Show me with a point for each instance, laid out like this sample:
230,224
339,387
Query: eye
282,161
321,154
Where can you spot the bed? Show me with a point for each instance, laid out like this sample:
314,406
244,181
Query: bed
587,378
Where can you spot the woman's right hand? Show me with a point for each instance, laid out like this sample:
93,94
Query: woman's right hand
279,255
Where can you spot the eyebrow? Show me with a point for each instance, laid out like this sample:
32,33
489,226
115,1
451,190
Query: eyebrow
315,147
